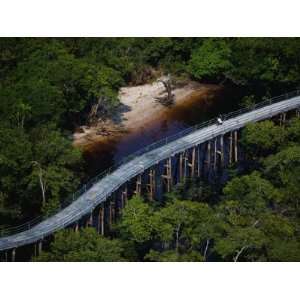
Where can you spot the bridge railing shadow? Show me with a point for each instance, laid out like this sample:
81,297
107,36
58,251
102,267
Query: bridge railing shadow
28,225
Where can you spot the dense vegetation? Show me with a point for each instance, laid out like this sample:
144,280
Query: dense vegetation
48,86
254,217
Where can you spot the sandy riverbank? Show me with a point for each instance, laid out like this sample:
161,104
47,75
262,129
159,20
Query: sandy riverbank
140,107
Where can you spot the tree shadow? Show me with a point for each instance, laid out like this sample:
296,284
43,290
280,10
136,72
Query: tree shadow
118,117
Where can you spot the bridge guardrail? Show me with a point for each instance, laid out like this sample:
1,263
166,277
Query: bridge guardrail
26,226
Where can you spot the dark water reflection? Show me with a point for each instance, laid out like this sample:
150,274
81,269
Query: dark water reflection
196,110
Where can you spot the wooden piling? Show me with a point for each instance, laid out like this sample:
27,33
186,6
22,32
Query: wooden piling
222,150
235,146
181,167
13,255
151,184
124,197
230,148
99,221
138,185
192,164
168,176
102,220
110,215
40,247
185,163
113,209
198,162
76,227
215,154
208,153
89,221
280,119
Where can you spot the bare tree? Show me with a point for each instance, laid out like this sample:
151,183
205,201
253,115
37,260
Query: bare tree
100,110
169,98
93,114
41,180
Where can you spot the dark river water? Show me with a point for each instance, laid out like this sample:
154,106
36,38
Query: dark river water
197,109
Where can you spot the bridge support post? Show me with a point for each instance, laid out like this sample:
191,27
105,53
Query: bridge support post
101,220
215,154
151,184
208,153
298,112
235,146
230,148
110,215
76,227
40,247
192,164
208,158
113,208
180,167
282,119
168,175
183,162
89,221
198,162
13,255
138,186
124,197
5,256
222,150
35,250
186,164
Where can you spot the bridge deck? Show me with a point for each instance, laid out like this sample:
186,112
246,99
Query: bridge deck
102,189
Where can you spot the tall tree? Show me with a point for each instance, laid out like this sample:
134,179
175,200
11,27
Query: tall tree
53,165
85,245
211,60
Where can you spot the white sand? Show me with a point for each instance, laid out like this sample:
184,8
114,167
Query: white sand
138,107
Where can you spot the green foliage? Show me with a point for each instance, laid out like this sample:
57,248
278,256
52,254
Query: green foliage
56,86
85,245
263,138
211,60
248,101
239,240
293,131
171,222
287,251
265,61
249,195
283,168
136,224
173,256
15,155
192,190
52,162
172,232
25,158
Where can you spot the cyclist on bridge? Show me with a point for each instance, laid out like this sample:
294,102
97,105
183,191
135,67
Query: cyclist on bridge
219,120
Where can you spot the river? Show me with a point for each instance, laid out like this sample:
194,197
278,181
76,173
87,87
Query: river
102,154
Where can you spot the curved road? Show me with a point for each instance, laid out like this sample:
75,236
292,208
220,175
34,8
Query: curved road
98,193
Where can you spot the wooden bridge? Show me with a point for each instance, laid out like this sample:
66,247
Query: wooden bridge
201,151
